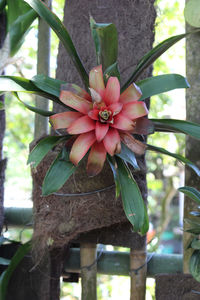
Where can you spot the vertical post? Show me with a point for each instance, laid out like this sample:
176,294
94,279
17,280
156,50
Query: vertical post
138,271
192,114
88,271
43,67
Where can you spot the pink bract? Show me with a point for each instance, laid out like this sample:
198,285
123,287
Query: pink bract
101,120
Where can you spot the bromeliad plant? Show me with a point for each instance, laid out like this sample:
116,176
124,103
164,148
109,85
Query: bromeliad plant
103,118
194,229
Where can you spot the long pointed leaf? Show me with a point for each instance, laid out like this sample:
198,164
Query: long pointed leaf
160,84
106,43
191,192
20,84
128,155
58,173
6,275
47,84
133,203
113,165
177,156
62,33
42,148
186,127
19,29
44,113
152,55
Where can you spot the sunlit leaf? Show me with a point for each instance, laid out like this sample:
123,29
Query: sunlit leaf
191,192
106,43
160,84
58,173
192,12
53,21
192,129
15,9
177,156
19,29
133,203
42,148
6,275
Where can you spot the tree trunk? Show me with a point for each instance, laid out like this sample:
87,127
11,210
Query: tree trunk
192,114
2,130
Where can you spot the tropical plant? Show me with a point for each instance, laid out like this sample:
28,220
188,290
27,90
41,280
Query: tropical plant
19,17
194,229
101,112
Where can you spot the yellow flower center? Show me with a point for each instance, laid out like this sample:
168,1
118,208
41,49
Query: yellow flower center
105,114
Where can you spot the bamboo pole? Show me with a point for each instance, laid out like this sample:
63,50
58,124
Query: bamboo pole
43,67
138,271
88,271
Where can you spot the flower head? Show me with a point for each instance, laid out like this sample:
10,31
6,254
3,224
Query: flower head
102,119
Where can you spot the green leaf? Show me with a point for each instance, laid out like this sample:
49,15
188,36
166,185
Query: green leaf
47,84
20,84
6,275
127,155
58,173
44,113
113,166
177,156
2,106
19,29
133,203
193,230
15,9
4,261
192,13
106,43
161,84
192,129
195,244
191,192
53,21
111,71
194,265
42,148
152,55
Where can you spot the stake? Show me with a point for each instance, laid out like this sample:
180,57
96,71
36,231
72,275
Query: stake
88,271
138,267
43,67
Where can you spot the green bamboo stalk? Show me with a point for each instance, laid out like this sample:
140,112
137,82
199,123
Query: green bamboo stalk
43,67
88,271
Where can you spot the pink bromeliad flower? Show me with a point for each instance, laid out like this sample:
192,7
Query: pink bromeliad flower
101,120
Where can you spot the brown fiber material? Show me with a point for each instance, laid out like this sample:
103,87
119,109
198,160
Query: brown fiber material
59,219
177,287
